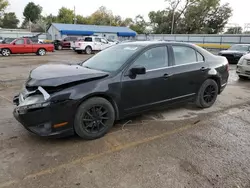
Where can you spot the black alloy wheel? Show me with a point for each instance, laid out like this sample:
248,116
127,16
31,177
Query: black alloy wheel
207,94
94,118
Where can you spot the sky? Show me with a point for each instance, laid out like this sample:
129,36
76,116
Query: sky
126,8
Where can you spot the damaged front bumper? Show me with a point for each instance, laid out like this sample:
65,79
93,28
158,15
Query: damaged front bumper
41,116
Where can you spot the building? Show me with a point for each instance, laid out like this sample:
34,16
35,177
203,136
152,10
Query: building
59,31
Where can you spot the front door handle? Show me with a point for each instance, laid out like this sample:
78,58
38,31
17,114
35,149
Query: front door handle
166,76
203,69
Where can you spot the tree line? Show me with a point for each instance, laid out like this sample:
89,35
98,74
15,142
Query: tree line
180,16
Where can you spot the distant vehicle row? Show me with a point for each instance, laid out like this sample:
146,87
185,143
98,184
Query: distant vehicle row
23,46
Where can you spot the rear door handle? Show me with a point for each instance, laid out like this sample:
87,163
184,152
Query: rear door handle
166,76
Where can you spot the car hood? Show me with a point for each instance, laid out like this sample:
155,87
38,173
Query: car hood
247,56
232,52
56,75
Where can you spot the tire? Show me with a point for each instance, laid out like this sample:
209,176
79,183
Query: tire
5,52
59,47
41,52
243,77
88,50
91,118
79,51
207,94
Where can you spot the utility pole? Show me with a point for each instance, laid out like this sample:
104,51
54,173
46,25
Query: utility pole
172,27
30,24
74,15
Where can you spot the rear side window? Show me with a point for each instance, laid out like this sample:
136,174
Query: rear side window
88,39
28,41
185,55
200,57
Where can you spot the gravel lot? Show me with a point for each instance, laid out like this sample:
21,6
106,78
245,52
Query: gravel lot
177,147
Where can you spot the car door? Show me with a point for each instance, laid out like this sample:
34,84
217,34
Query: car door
19,47
105,44
29,46
150,89
188,72
97,44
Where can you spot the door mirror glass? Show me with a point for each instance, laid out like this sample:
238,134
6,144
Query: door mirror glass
138,70
14,43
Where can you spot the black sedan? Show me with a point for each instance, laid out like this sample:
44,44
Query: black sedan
235,52
123,80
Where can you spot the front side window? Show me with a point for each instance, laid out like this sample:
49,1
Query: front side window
111,59
19,42
184,55
97,40
153,59
104,41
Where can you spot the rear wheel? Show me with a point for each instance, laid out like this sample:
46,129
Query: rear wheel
59,47
88,50
94,118
6,52
41,52
207,94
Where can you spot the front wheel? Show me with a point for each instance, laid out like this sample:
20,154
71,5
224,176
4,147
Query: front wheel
79,51
207,94
94,118
5,52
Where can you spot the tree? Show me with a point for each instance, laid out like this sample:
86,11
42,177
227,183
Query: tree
82,20
102,16
3,5
234,30
32,12
9,20
139,25
191,16
65,15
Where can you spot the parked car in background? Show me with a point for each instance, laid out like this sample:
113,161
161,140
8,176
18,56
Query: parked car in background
91,44
7,40
243,67
65,43
123,80
23,46
235,52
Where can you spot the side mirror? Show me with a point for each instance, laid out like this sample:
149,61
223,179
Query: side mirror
14,43
138,70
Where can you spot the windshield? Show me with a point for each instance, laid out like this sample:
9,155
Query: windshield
111,59
240,47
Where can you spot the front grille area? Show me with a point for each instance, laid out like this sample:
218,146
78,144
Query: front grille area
247,72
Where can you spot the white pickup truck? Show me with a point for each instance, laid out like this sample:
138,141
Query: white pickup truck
90,44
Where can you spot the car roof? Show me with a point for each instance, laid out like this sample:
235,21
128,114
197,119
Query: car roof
147,43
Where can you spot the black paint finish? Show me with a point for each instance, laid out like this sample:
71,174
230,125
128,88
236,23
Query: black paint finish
70,85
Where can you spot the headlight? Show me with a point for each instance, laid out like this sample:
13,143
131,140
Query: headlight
33,102
242,61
